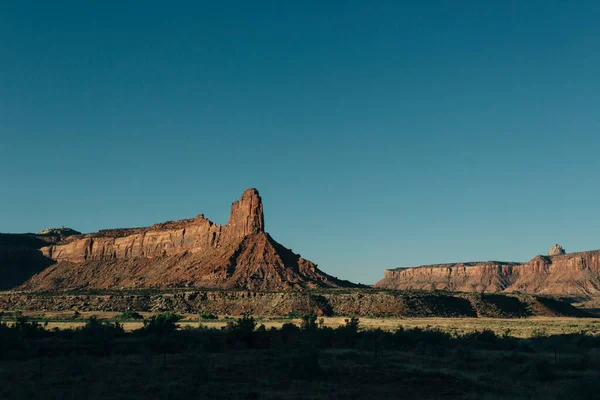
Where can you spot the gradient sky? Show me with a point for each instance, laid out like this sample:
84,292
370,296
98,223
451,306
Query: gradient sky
379,134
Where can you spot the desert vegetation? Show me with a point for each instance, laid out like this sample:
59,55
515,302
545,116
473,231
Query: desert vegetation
303,358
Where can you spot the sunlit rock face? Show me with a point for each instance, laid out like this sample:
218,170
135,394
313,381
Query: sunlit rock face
186,253
557,273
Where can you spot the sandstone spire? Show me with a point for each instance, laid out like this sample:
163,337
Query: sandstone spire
246,215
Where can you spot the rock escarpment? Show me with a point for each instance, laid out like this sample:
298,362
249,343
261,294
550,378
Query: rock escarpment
20,256
565,274
187,253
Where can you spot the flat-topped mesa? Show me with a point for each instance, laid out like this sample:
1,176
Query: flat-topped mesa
174,237
557,273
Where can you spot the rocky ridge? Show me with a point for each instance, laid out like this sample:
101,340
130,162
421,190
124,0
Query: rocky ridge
187,253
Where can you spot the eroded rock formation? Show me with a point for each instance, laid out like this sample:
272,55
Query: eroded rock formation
556,250
187,253
20,256
565,274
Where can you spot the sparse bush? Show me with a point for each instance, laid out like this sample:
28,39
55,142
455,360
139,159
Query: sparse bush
130,315
208,316
28,329
539,332
161,324
350,325
347,333
309,323
101,329
244,325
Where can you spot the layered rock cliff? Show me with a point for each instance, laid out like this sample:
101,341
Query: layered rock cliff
20,256
186,253
564,274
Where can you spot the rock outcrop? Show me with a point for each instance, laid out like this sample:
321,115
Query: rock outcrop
20,256
187,253
556,250
58,232
564,274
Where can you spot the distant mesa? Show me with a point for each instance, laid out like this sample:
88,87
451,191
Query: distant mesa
556,250
570,274
186,253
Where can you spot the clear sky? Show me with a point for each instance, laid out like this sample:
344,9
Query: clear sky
379,134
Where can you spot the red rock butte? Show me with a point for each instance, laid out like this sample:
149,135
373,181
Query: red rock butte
186,253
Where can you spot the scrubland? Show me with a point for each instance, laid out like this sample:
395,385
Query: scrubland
168,356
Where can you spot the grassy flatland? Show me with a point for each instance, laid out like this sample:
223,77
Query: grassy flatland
517,327
247,361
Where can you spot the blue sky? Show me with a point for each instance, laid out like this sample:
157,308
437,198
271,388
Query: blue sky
379,134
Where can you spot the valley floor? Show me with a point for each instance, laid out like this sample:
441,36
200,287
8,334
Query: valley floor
422,372
98,355
515,327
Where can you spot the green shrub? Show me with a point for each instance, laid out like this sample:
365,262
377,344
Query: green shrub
350,325
244,325
100,328
130,315
309,322
208,316
161,324
28,330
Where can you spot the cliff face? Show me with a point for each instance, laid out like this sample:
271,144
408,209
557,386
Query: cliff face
187,253
565,274
20,256
169,238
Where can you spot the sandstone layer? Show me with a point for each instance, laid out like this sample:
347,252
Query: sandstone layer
576,274
187,253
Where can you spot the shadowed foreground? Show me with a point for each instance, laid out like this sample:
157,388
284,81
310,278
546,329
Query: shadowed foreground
241,361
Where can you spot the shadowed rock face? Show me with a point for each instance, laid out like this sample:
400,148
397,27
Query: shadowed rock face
187,253
20,257
564,274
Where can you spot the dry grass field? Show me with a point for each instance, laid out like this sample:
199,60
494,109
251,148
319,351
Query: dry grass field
516,327
335,358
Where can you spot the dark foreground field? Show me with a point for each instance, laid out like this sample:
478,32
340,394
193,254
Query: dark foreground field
241,361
